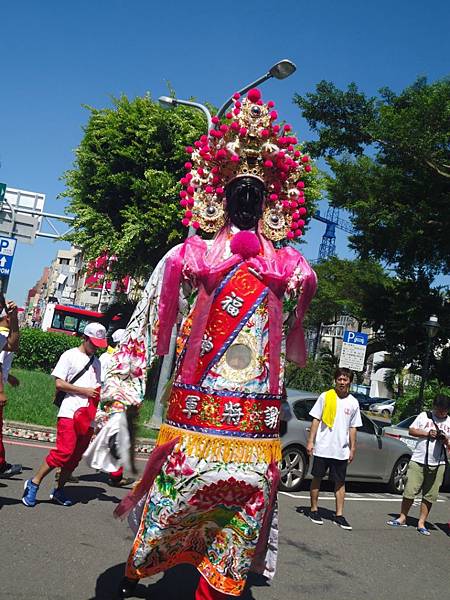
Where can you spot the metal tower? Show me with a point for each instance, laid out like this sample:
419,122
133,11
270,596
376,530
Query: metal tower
332,220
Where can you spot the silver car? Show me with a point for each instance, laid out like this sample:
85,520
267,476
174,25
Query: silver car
378,458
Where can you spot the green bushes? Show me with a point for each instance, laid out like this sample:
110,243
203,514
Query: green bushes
405,406
40,350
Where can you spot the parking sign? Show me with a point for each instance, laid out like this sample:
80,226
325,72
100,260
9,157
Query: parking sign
7,249
353,350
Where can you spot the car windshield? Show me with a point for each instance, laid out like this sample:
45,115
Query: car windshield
406,423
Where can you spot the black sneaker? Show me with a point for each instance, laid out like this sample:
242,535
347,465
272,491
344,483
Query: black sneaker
342,522
10,470
315,517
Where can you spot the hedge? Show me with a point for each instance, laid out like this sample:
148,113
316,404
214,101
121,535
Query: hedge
40,350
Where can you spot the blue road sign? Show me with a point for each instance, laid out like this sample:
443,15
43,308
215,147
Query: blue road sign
355,337
7,249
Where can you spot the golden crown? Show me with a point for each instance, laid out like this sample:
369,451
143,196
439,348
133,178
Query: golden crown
250,144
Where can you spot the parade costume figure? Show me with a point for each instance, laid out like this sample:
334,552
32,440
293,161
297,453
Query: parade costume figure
208,494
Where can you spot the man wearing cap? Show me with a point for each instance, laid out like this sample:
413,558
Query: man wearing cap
71,441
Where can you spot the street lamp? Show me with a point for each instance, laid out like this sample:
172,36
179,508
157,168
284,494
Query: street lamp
168,102
431,327
280,70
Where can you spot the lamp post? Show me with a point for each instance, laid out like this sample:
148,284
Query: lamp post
431,327
280,70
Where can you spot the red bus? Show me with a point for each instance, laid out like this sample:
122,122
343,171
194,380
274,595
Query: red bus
70,320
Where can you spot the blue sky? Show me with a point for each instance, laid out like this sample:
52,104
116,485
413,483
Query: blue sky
57,56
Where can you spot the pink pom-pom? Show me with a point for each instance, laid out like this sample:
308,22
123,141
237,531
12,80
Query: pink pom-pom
236,96
301,223
188,166
246,244
215,180
308,168
209,189
190,201
190,190
235,126
200,171
273,197
198,144
221,154
273,117
290,235
285,204
185,222
195,224
294,204
265,133
238,104
294,225
301,200
234,158
183,202
183,194
276,128
300,185
295,216
268,164
236,111
305,158
204,139
297,153
254,95
215,120
215,170
271,104
189,176
260,103
219,191
243,131
229,115
188,214
224,128
298,232
287,127
302,210
189,149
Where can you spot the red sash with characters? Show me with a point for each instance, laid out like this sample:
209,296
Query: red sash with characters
236,299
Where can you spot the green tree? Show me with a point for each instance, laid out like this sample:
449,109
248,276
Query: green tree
389,158
124,186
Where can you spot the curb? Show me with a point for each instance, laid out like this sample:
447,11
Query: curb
38,433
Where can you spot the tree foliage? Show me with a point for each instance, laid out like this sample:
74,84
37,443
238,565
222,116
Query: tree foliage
124,186
390,163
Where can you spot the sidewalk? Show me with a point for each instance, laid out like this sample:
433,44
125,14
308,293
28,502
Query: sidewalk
39,433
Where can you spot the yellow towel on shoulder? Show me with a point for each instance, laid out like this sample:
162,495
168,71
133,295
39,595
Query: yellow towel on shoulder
329,410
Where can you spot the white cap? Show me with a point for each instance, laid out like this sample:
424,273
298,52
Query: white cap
117,336
97,334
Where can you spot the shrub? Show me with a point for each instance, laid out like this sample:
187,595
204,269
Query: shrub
316,376
40,350
405,406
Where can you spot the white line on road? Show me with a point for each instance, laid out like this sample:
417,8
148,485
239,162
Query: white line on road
397,499
48,447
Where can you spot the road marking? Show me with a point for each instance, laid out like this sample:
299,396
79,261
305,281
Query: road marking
46,446
347,497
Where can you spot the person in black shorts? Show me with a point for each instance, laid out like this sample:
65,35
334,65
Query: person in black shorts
332,442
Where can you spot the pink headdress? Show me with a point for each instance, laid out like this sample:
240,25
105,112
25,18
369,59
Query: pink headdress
250,144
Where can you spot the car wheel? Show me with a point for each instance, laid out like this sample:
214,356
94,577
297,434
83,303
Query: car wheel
385,413
398,476
293,469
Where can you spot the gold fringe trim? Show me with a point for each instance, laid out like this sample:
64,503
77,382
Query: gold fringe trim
222,449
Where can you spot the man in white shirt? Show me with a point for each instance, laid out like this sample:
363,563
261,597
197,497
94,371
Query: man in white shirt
427,465
71,439
9,343
332,442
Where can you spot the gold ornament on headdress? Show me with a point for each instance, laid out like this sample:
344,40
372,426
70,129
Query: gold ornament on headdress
249,145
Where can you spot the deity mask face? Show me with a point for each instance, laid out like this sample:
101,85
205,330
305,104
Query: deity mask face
245,197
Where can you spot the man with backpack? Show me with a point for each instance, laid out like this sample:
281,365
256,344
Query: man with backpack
77,375
427,466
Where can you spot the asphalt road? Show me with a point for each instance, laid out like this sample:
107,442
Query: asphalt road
78,553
